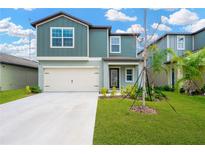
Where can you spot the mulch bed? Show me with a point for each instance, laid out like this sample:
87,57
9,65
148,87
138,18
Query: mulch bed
143,109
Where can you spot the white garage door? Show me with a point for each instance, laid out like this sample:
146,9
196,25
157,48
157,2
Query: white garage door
71,79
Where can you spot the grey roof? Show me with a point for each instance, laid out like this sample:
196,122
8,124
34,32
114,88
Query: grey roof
58,14
13,60
127,59
125,34
82,21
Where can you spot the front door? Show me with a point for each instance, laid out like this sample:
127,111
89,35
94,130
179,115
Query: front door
114,77
173,75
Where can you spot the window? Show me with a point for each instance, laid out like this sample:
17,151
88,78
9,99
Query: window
115,44
129,75
180,42
62,37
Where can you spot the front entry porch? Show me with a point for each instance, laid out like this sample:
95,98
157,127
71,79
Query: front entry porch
120,73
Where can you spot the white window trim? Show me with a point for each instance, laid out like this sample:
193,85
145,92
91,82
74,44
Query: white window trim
126,75
51,43
115,44
181,36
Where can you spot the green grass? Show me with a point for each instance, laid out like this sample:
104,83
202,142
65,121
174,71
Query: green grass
11,95
115,124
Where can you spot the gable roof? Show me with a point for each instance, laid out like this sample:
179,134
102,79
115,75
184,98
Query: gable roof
58,14
174,33
35,23
13,60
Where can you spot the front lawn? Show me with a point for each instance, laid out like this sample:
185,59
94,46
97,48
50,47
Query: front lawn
11,95
115,124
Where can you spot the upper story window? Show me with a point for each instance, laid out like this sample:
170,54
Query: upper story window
62,37
115,44
180,42
129,75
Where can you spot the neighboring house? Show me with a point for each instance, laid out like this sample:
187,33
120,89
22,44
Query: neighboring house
16,72
75,55
179,42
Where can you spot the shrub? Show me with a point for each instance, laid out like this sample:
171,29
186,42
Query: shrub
182,90
123,91
131,91
104,91
28,89
128,89
164,88
114,91
203,89
35,89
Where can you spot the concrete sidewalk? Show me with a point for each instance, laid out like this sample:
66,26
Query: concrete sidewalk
49,118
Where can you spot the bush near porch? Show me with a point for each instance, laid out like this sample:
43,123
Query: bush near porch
115,124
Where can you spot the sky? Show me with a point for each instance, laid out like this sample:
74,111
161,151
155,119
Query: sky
16,32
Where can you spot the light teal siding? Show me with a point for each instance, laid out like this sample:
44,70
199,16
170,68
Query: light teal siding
67,63
199,40
173,43
14,77
128,47
43,39
162,44
98,42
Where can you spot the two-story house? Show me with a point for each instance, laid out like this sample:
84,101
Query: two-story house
75,55
179,42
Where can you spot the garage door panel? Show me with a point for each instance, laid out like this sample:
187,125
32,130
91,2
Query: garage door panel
71,79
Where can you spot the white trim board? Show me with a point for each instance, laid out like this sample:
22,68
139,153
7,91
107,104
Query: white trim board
62,28
126,63
115,44
71,58
63,58
71,67
59,17
184,45
129,68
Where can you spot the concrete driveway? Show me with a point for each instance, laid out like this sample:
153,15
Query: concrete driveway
49,118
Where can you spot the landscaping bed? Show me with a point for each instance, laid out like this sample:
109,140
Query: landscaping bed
116,124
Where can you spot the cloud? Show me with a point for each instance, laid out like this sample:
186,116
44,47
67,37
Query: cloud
15,30
26,9
21,50
4,24
196,26
161,27
120,31
22,41
181,17
20,47
152,38
135,28
166,9
117,15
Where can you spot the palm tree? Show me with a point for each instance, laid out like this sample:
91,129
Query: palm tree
190,66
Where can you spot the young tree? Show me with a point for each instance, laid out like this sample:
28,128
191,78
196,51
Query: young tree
192,66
